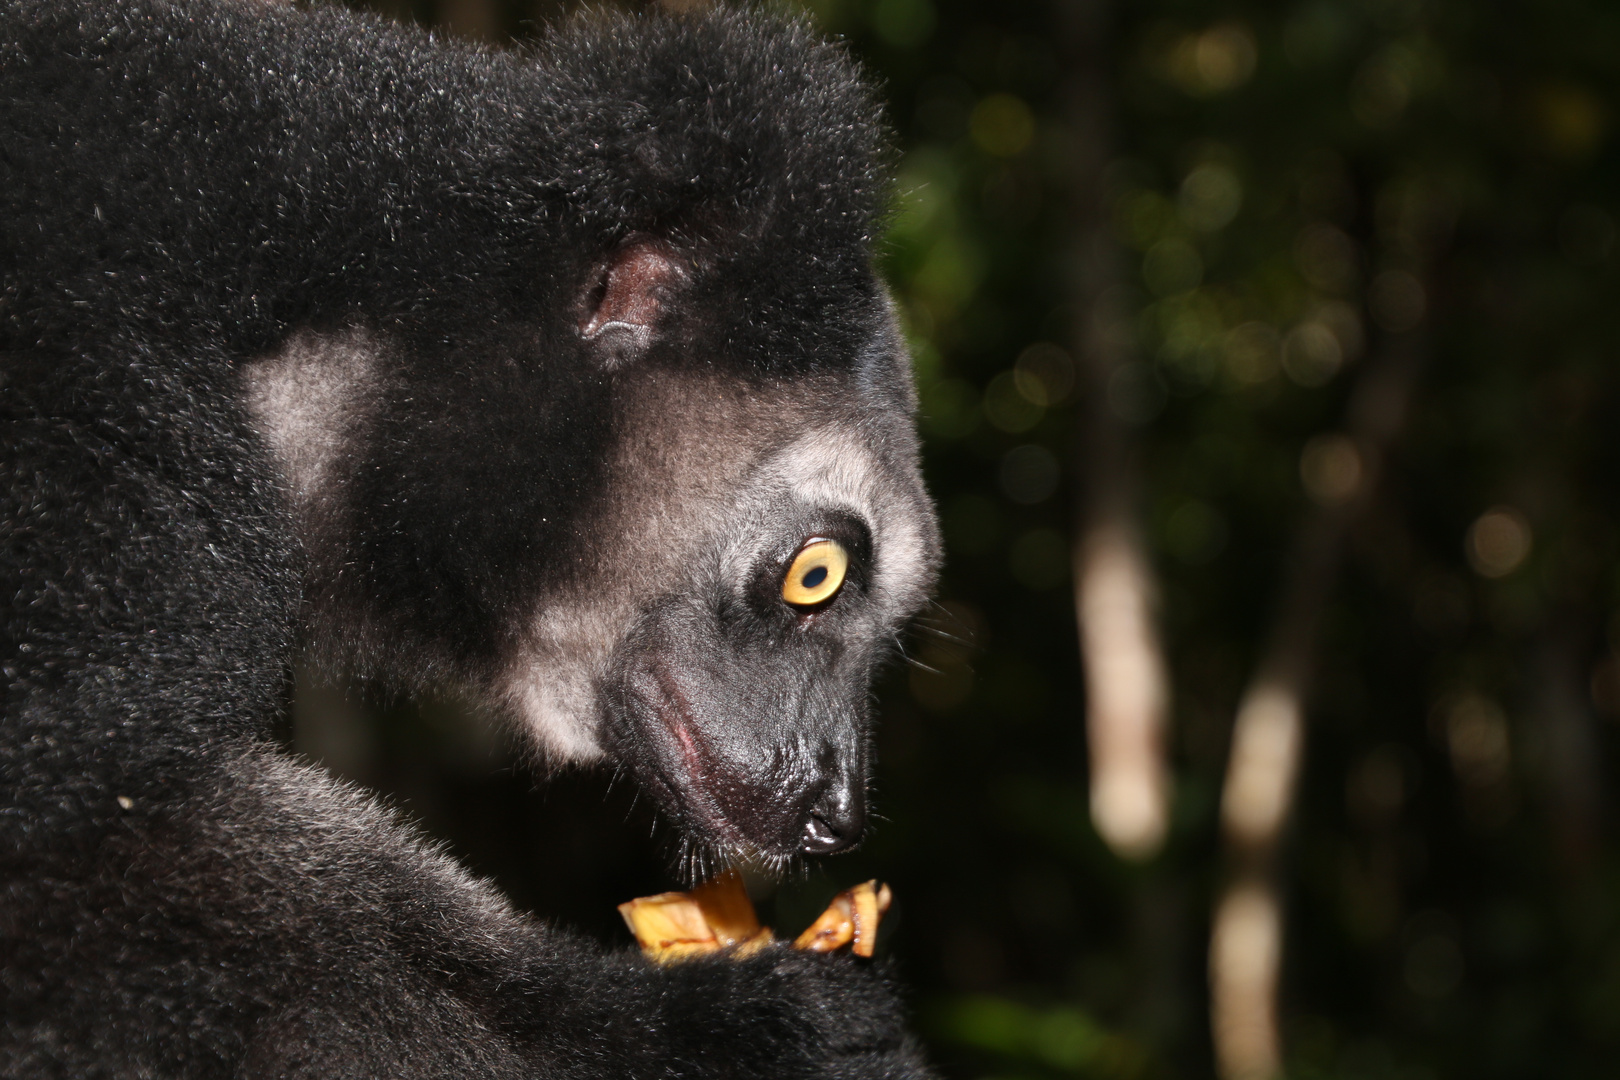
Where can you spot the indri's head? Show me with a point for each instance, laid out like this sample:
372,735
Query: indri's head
666,509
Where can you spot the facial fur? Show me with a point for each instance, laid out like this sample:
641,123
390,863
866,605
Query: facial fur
658,639
675,654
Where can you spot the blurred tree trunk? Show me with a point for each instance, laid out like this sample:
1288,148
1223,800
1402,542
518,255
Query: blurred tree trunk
1126,689
1268,735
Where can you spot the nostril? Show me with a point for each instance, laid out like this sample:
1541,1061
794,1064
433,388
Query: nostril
832,826
821,837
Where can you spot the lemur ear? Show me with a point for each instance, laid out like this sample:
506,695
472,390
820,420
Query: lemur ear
623,302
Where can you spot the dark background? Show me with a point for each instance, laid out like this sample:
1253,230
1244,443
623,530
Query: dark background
1286,196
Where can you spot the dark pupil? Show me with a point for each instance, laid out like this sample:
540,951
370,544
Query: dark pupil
814,577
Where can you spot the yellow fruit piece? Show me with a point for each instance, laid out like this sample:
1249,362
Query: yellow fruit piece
851,919
715,915
718,915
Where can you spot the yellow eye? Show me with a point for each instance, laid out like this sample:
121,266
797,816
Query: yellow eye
817,572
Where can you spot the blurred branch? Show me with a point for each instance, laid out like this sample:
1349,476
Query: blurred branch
1126,687
1268,735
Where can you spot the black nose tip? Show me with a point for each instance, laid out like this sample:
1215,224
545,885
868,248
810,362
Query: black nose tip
832,826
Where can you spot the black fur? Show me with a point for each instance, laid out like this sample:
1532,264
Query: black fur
186,187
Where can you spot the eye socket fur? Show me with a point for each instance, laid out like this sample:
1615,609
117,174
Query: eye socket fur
816,573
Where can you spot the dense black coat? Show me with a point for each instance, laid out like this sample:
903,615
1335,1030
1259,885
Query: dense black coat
183,187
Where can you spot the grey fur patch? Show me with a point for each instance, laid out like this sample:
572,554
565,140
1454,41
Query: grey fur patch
833,468
309,402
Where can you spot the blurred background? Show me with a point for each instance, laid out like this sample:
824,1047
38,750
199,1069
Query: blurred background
1266,722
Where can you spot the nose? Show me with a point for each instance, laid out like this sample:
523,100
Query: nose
835,821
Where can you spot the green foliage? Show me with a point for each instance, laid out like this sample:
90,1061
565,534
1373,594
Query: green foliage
1058,1039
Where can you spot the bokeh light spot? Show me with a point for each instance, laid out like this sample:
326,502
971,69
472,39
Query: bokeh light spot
1331,468
1396,301
1477,737
1007,407
1498,542
1383,87
950,273
1029,474
1002,125
1252,353
1434,961
1044,374
1212,61
1311,354
1572,120
1210,198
